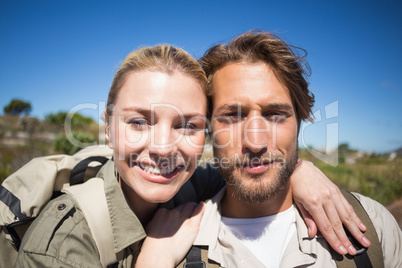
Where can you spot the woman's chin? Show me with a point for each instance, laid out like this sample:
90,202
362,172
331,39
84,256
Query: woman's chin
158,193
157,198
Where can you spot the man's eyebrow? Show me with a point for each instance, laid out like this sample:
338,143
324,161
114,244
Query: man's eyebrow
229,107
238,106
280,106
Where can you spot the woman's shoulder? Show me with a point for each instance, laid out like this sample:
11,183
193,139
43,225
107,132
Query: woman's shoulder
59,236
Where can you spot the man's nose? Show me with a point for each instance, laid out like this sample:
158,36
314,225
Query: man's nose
256,134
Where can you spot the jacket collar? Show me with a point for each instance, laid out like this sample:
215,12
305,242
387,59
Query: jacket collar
301,250
126,227
304,251
208,233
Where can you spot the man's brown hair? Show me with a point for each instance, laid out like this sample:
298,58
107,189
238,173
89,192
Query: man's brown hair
262,46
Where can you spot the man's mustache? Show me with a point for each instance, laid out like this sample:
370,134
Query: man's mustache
251,159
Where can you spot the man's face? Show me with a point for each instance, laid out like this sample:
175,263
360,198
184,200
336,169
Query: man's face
254,131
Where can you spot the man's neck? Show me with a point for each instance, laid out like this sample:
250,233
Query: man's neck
233,207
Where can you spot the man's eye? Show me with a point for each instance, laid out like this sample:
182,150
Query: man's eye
275,116
233,115
230,118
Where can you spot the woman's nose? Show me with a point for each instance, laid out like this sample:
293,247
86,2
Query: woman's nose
163,141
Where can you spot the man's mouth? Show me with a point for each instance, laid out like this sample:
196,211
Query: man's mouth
252,164
257,167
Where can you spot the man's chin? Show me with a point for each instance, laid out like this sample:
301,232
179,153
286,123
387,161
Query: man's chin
257,190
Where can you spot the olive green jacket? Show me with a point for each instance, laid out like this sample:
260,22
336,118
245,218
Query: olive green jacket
60,236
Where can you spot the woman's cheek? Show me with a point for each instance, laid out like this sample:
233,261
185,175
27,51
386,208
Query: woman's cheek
195,146
133,140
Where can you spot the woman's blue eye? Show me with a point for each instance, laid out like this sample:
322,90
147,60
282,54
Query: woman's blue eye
138,122
189,126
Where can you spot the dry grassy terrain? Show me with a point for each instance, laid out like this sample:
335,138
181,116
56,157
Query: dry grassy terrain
372,175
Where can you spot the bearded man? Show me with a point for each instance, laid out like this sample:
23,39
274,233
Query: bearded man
259,97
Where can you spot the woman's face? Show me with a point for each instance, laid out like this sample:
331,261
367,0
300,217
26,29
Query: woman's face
157,131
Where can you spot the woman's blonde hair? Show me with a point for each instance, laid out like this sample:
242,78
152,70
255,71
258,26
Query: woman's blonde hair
161,58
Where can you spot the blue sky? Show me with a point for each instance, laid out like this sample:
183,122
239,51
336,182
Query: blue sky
58,54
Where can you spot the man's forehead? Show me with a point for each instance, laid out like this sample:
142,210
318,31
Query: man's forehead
247,67
248,84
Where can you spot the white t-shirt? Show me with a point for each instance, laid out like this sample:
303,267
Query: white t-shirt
266,237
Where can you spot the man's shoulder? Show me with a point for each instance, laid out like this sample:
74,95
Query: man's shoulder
387,229
376,211
382,219
60,235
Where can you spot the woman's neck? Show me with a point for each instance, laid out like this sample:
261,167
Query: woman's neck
144,210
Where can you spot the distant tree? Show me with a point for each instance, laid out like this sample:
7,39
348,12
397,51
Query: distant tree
18,107
56,119
342,150
63,144
77,120
344,147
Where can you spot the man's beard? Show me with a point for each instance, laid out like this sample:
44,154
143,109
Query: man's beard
257,188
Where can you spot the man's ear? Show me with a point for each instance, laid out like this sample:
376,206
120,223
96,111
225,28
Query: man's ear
108,136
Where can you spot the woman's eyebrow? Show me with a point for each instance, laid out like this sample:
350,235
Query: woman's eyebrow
149,112
144,111
192,116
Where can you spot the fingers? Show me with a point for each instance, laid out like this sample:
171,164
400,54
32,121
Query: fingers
331,216
326,228
167,222
312,227
189,209
324,202
198,212
170,234
352,222
332,228
345,216
186,209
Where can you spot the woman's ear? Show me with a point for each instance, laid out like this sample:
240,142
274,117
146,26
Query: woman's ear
108,136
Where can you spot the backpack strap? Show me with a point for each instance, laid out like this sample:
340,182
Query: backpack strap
197,257
78,172
91,199
366,257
